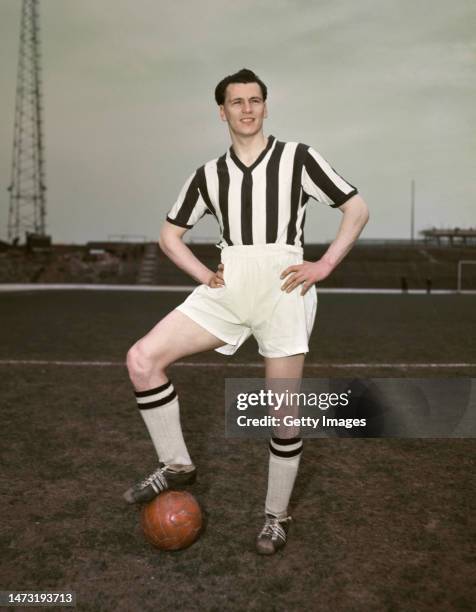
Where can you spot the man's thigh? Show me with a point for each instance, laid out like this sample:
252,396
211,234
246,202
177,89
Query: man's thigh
176,336
285,367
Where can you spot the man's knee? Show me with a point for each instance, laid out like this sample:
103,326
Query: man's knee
141,362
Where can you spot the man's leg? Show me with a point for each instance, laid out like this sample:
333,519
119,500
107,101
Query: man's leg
284,455
174,337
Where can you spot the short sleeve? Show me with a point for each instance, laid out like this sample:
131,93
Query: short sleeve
321,182
189,206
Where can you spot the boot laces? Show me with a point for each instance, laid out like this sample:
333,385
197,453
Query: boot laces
273,528
157,478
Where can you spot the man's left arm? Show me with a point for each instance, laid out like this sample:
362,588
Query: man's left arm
355,216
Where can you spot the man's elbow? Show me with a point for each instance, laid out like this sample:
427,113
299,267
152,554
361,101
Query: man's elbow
169,235
164,239
359,208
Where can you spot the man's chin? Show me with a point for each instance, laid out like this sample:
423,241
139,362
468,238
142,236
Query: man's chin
247,130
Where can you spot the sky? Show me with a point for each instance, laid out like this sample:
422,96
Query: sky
383,89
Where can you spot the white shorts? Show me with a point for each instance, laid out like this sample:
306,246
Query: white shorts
252,302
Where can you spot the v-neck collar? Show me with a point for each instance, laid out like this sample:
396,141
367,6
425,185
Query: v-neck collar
260,157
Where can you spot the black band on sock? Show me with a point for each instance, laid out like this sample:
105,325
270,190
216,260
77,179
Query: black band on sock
167,388
283,443
286,441
160,402
153,391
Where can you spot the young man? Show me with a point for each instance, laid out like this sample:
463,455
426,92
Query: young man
257,192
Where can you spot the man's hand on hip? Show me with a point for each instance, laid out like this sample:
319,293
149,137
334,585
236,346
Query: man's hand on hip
216,278
306,274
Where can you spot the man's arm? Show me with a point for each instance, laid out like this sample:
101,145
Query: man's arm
171,243
356,215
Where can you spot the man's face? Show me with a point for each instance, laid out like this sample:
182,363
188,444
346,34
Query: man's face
244,109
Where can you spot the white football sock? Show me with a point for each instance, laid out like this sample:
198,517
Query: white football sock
159,408
284,457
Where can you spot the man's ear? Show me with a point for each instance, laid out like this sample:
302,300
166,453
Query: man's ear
265,110
222,112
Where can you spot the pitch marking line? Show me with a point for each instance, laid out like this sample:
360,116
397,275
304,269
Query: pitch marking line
5,287
218,364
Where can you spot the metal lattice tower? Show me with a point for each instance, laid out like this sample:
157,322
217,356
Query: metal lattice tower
27,212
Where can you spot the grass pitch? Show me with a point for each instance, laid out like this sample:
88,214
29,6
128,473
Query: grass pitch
380,524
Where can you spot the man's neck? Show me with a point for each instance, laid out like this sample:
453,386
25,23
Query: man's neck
248,148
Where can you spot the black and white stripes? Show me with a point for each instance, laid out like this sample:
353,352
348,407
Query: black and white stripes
263,203
285,447
153,398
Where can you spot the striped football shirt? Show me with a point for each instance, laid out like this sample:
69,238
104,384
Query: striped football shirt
262,203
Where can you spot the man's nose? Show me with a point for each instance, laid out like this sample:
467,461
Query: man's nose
246,107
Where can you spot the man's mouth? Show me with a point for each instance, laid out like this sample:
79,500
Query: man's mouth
247,120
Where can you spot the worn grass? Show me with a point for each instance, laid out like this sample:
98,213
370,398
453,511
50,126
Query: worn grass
380,524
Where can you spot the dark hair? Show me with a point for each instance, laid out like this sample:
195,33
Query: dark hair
242,76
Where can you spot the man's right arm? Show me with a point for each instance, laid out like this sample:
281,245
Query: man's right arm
172,244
